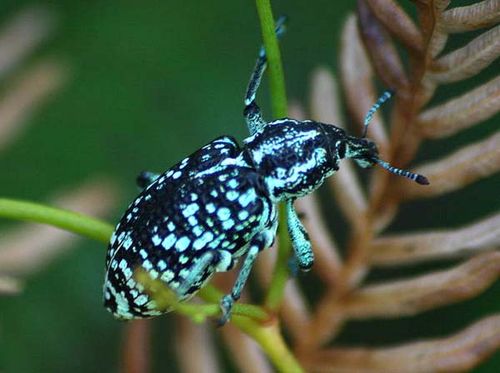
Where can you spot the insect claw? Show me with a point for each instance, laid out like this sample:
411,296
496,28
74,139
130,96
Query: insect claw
226,305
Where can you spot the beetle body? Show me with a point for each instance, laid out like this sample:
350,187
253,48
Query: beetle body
215,200
220,204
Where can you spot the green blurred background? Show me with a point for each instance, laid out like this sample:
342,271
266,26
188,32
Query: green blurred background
150,82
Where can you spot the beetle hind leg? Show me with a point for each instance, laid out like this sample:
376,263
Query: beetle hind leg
256,245
196,272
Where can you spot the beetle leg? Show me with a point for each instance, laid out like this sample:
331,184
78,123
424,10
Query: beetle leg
304,255
252,113
256,245
196,272
145,178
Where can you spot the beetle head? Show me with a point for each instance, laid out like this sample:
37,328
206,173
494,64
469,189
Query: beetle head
365,154
363,151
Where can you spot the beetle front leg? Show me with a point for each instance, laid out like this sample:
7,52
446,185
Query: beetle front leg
256,245
252,113
146,178
302,247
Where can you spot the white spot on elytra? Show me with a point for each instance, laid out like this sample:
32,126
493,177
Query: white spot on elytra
141,300
232,195
182,244
153,274
169,241
242,215
127,243
156,240
203,240
198,231
190,209
192,221
131,283
167,276
223,213
228,224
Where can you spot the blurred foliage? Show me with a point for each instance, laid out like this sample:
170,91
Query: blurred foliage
150,82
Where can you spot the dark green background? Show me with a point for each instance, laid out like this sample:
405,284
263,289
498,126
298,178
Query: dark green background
150,82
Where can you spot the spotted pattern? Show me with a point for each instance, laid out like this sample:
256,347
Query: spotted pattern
178,218
209,206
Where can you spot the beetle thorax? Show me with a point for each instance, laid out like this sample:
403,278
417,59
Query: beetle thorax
294,157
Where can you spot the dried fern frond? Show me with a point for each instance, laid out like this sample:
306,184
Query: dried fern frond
461,112
415,247
381,24
458,352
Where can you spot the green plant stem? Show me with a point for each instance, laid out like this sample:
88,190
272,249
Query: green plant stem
281,270
279,105
269,337
274,65
67,220
271,341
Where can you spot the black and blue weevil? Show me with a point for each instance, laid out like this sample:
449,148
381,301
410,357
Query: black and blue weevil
220,204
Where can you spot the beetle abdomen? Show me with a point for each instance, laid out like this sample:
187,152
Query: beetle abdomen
172,224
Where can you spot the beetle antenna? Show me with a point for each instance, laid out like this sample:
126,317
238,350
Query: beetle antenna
420,179
385,96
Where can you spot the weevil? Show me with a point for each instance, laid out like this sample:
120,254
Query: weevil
219,205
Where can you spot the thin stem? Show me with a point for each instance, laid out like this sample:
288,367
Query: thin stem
279,105
67,220
281,271
276,77
269,337
271,341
